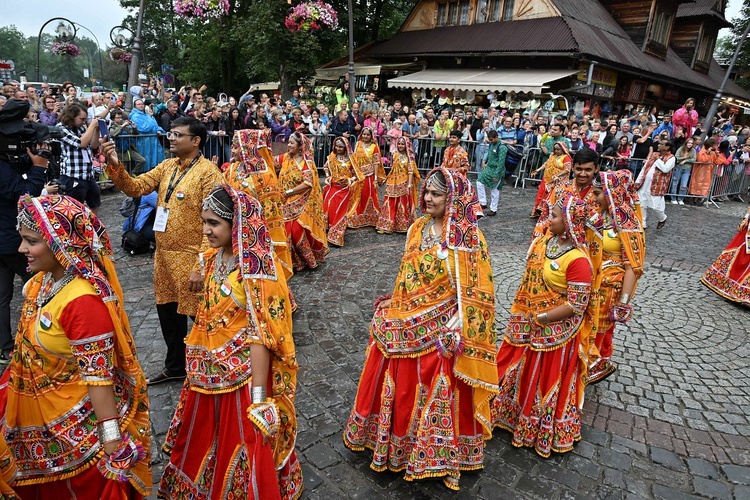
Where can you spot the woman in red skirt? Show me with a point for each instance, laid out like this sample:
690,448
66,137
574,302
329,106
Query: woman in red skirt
422,404
729,275
343,185
370,163
401,191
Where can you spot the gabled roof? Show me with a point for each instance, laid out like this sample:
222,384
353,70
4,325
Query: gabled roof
550,34
703,8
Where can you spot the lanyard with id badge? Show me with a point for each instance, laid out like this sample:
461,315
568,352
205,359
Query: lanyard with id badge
162,211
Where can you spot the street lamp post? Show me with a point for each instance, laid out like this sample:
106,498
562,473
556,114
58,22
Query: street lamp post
352,90
135,62
98,45
64,34
717,98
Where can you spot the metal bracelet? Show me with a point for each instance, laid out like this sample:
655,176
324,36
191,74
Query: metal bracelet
542,318
624,298
258,394
109,431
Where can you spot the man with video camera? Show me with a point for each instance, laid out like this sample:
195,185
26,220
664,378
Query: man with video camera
24,158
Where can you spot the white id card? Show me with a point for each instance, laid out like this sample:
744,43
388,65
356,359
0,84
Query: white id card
160,223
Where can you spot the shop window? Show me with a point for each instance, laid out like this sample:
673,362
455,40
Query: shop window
453,13
659,29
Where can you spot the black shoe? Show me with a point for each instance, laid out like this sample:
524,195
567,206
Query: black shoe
661,224
483,206
165,376
491,213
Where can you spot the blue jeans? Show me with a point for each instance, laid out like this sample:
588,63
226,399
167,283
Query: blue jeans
679,184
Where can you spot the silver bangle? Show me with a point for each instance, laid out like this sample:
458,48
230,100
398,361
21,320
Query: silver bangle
289,192
258,394
109,431
624,298
542,318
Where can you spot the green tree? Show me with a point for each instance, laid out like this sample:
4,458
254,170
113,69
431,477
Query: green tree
725,48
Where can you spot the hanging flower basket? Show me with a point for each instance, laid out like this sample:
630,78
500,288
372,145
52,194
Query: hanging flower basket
65,49
120,56
201,9
311,16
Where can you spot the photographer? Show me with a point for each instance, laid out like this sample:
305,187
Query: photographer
19,174
78,140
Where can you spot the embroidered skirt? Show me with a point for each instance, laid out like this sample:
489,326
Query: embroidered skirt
541,393
335,206
217,453
415,415
88,484
729,275
368,208
306,250
396,214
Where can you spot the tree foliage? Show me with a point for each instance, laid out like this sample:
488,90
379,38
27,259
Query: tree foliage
251,44
726,46
22,51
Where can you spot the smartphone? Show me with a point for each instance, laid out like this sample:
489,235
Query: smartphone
103,130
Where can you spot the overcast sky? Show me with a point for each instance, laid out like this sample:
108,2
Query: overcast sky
101,16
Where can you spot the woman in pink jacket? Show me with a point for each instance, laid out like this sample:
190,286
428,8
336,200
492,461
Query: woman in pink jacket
686,117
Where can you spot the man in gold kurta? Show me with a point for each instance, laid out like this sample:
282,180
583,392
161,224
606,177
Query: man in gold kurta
182,183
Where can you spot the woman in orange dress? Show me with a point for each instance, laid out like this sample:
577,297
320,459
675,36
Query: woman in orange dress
729,275
303,204
343,185
252,171
401,191
623,252
540,371
557,167
367,158
77,418
233,432
422,403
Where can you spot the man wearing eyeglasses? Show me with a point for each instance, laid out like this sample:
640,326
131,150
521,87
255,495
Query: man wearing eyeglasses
182,183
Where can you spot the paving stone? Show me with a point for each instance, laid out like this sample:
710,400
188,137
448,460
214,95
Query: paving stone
583,466
710,488
321,455
665,493
699,467
667,459
614,459
536,487
737,474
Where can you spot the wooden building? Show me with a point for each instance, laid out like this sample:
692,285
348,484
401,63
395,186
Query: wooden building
647,52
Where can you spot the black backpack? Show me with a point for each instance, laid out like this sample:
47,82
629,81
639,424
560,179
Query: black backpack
133,242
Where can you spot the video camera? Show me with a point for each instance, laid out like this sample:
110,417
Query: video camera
16,135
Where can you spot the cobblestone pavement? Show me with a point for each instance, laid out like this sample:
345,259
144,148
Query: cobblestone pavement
673,422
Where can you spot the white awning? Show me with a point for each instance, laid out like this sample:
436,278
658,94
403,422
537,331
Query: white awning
360,69
266,85
481,80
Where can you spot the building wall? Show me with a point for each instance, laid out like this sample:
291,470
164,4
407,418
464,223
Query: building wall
425,14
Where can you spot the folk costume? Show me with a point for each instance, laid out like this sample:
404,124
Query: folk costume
456,158
303,213
251,173
73,334
215,442
729,275
340,201
623,246
653,183
401,192
422,404
540,371
556,168
367,158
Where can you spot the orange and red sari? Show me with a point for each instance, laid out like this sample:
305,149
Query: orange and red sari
729,275
401,192
368,160
341,194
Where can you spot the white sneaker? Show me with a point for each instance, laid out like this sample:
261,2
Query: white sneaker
673,202
680,202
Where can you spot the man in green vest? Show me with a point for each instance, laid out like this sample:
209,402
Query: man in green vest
492,174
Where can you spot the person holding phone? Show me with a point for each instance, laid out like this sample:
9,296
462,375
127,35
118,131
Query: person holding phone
77,173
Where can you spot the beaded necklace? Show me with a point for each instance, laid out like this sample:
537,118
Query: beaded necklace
556,249
50,287
430,238
223,269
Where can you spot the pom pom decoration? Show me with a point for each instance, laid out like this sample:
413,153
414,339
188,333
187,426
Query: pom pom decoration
311,16
202,9
65,49
120,56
